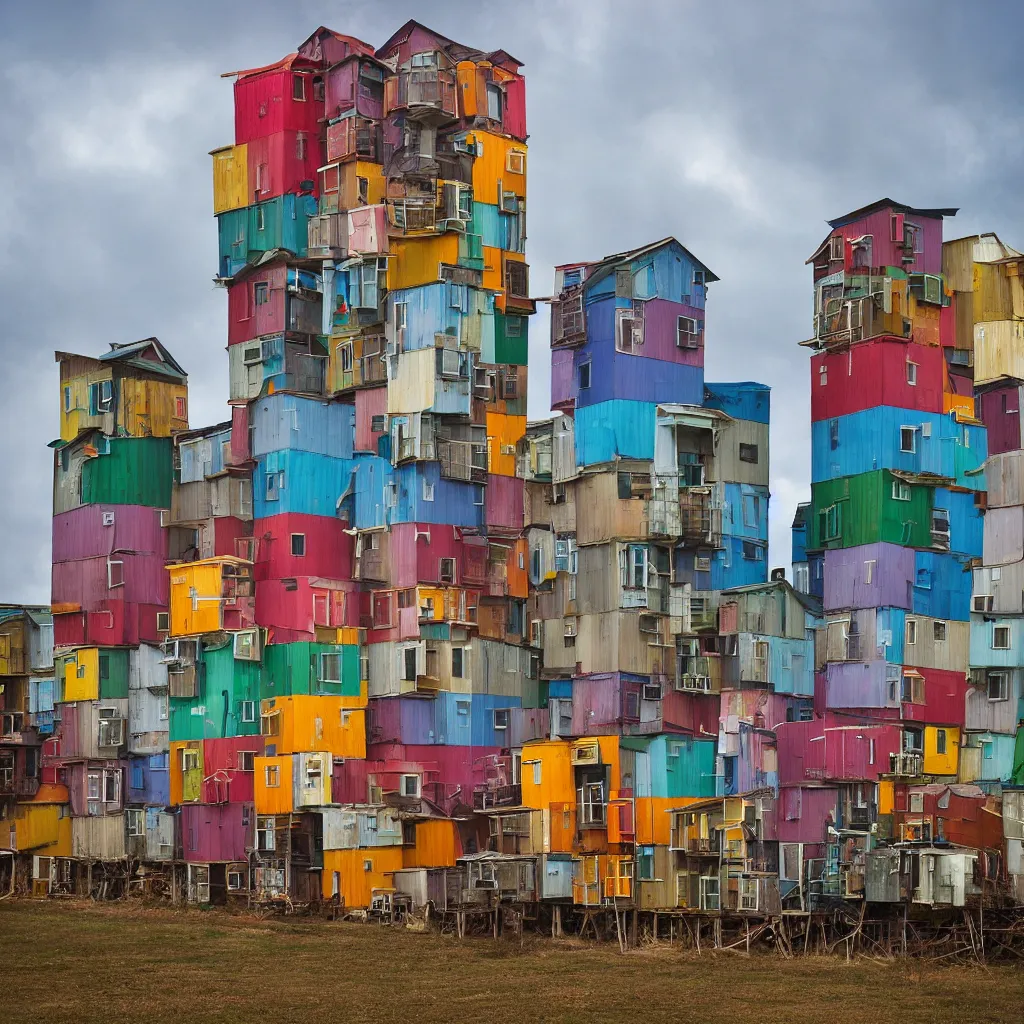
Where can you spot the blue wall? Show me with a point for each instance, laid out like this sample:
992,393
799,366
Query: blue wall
149,781
614,428
865,441
283,421
746,514
942,586
312,483
285,226
745,400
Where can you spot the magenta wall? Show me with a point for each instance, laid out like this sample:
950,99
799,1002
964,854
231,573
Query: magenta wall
292,610
80,533
328,549
802,814
214,833
113,624
999,410
504,507
660,324
84,582
370,402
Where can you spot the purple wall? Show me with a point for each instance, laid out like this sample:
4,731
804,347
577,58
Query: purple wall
660,323
561,376
213,833
855,684
892,577
80,533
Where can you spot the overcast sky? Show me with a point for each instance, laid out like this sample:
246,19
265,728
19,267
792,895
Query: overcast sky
738,127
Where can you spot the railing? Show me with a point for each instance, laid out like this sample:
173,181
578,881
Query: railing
11,785
906,764
485,797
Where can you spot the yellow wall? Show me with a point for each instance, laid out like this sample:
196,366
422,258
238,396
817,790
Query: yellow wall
230,178
885,797
934,762
437,845
273,799
492,278
417,259
356,882
177,779
490,170
82,675
75,419
314,723
503,430
41,829
374,175
206,578
148,408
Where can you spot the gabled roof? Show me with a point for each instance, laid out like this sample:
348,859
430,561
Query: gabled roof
293,62
602,268
885,204
357,45
457,51
149,355
811,604
197,432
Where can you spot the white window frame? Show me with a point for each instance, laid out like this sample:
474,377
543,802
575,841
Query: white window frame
403,786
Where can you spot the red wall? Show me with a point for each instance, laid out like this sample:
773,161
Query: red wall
945,695
289,613
416,561
113,624
874,373
224,780
264,105
282,170
1004,431
328,547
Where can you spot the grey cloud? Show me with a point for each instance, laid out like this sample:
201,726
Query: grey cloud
737,127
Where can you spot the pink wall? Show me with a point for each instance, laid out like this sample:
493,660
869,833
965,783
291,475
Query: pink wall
504,502
239,434
370,402
213,833
884,252
80,533
696,714
78,785
246,320
84,581
456,766
836,747
419,561
226,530
328,549
225,781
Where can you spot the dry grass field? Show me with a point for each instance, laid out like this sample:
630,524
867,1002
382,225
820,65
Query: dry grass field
84,963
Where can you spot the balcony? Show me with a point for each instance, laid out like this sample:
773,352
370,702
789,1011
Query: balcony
699,519
462,460
427,93
17,786
568,319
488,797
906,765
352,138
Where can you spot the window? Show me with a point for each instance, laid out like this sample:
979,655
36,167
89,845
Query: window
275,484
495,99
748,453
1001,638
939,632
260,217
869,570
410,786
235,881
115,573
911,636
180,408
112,786
67,399
272,776
363,189
409,664
248,711
330,667
997,685
135,820
458,654
501,716
900,491
247,760
299,88
101,397
584,376
261,293
831,523
912,688
515,161
446,571
377,424
940,741
752,551
298,544
462,708
908,439
300,154
536,773
246,645
911,373
265,835
428,490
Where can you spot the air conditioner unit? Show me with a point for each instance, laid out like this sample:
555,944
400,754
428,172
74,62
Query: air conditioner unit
702,563
251,354
650,624
586,753
981,603
652,691
569,626
108,518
